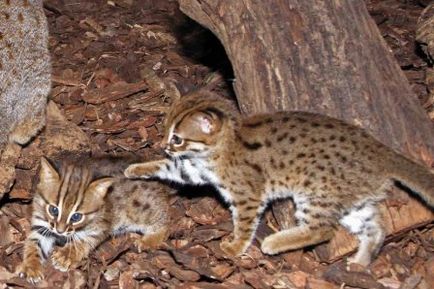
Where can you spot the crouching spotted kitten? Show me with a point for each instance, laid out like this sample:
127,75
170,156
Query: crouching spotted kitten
335,172
80,203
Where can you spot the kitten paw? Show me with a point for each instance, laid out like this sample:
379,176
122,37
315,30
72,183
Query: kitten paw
31,271
60,261
150,241
233,248
269,247
355,262
137,171
63,259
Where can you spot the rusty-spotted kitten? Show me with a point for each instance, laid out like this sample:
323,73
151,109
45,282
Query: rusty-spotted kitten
335,172
83,202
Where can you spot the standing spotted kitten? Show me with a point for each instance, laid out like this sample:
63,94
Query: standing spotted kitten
25,70
82,203
335,172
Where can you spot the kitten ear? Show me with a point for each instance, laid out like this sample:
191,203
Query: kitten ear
47,173
208,122
100,187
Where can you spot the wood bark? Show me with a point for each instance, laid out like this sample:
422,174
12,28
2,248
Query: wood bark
326,57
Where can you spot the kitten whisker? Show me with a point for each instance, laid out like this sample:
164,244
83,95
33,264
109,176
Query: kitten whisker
328,167
108,201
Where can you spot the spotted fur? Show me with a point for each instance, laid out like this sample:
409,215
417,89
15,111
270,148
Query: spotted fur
335,173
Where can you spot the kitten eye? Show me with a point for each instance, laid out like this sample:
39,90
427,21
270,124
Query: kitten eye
54,211
76,217
176,140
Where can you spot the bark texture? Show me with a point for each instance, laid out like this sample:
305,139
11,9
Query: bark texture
326,57
321,56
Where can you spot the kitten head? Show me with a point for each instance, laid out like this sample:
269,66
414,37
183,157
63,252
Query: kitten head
68,199
197,122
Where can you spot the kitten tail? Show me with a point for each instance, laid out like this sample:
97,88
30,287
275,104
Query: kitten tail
416,177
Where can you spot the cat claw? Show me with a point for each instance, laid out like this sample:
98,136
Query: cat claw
34,280
31,276
60,268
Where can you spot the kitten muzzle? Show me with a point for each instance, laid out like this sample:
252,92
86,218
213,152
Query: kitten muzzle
60,241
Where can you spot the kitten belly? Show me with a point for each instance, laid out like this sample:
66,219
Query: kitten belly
123,229
125,225
357,217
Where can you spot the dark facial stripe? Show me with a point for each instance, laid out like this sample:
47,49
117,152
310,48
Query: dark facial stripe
185,157
85,179
194,140
38,217
38,229
62,180
44,255
74,181
45,232
184,176
205,179
64,186
176,163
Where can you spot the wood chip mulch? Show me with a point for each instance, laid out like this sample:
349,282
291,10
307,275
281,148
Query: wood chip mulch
117,66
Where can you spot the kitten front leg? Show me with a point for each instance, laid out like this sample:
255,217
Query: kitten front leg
33,257
245,218
146,170
70,255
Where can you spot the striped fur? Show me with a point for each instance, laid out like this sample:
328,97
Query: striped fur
108,203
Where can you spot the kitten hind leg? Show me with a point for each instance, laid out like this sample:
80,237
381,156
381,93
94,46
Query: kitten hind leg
245,217
315,225
151,240
296,238
365,222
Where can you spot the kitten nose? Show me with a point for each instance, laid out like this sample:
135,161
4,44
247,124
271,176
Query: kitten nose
60,229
